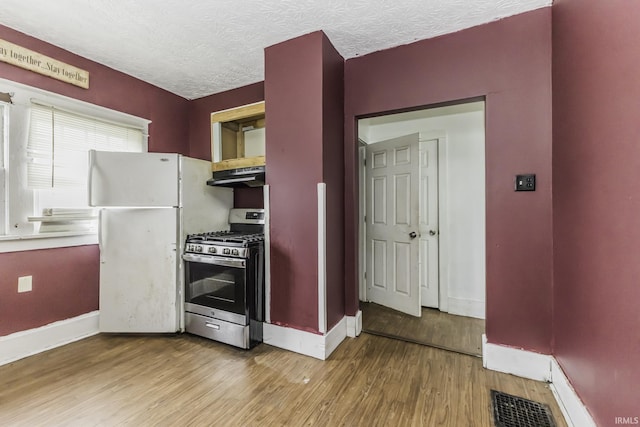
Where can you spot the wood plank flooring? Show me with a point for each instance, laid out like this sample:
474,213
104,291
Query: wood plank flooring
434,328
184,380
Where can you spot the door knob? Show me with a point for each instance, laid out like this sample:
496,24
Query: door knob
432,233
413,234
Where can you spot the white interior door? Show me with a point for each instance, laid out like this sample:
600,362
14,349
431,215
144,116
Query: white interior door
391,171
429,230
138,271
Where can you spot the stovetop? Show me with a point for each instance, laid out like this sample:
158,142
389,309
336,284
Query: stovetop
226,237
235,244
244,239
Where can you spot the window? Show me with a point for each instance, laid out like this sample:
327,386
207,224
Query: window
57,152
44,162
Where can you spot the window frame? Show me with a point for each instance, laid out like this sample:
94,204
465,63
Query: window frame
16,200
4,153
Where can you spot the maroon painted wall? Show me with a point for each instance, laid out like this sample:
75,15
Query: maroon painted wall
294,107
508,62
65,285
596,161
328,75
200,132
65,281
333,176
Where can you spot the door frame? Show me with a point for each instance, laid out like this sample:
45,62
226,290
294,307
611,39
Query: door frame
443,272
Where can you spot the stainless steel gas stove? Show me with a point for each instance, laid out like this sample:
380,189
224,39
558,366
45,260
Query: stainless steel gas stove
224,281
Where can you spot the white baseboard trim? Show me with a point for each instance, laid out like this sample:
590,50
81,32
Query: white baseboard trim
27,343
354,324
307,343
574,411
522,363
539,367
466,307
335,336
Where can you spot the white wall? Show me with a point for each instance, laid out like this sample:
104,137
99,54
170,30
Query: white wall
462,208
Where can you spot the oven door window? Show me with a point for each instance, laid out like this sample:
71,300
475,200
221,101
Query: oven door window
216,286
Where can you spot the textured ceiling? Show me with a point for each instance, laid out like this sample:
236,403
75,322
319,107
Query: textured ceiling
198,47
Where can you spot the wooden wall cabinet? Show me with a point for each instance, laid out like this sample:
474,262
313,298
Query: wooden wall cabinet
238,137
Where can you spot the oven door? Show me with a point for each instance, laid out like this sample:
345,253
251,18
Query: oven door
216,282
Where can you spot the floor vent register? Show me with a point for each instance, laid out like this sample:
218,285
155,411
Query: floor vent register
513,411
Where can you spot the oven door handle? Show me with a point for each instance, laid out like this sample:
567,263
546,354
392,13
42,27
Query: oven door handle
215,260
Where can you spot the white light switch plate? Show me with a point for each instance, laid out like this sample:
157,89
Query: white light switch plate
24,284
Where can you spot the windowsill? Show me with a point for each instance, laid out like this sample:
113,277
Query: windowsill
51,240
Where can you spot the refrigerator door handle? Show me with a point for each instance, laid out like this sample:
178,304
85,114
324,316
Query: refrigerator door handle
100,225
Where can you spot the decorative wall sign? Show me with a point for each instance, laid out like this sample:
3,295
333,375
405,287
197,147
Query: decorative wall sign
38,63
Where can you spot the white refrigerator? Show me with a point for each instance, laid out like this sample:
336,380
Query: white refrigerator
149,203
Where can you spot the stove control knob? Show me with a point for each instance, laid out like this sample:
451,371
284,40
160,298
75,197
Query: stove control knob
226,251
198,248
212,250
235,252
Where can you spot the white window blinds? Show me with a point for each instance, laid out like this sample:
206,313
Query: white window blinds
59,142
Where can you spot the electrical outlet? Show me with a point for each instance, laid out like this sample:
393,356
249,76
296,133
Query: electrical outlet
526,182
25,283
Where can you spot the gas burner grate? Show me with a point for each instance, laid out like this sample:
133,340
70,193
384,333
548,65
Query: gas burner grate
226,237
513,411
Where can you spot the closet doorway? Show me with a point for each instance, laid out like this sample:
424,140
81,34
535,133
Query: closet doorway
422,233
